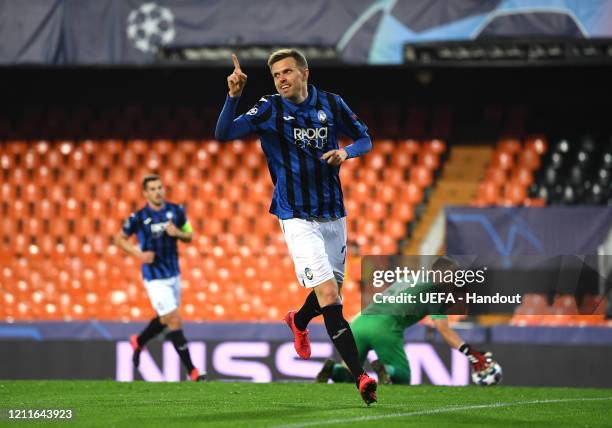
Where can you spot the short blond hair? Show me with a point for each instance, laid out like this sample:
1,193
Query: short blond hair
281,54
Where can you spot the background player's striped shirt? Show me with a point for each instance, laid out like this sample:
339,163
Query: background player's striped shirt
150,229
294,137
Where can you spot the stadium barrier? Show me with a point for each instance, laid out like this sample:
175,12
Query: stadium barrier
530,356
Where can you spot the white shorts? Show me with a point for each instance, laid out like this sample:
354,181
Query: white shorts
165,294
318,249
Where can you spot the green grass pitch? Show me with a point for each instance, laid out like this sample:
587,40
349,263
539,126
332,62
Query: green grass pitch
143,404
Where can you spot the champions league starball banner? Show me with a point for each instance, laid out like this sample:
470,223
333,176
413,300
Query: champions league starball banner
114,32
522,231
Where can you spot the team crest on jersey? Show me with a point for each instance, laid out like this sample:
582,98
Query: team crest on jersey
322,116
308,273
169,215
252,112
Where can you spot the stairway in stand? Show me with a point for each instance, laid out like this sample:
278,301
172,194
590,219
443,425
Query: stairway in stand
457,185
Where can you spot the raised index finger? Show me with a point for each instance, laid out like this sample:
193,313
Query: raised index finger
236,63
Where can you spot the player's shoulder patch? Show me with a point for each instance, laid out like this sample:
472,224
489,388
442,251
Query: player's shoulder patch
259,106
263,100
271,98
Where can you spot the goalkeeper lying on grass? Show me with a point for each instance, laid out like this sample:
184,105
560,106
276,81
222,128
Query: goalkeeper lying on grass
381,327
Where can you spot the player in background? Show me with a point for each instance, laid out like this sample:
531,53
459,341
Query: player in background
158,226
380,327
299,129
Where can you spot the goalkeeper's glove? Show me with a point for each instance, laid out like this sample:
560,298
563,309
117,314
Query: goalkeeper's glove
479,360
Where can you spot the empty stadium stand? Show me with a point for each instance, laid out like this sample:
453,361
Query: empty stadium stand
63,201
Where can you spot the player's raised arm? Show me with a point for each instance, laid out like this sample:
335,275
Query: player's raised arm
237,80
227,127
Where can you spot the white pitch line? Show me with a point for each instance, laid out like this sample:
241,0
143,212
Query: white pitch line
436,411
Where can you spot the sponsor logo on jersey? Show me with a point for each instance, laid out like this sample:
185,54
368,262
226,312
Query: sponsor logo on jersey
252,112
313,137
157,229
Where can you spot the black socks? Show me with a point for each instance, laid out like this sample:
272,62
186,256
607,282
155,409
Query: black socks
341,335
180,344
307,312
153,329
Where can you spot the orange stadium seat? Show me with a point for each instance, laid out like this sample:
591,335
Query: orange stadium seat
413,193
429,160
514,194
411,147
188,147
113,147
31,160
16,147
422,176
435,146
523,176
387,193
78,159
385,147
537,144
376,211
509,145
359,192
53,159
395,228
139,146
488,192
402,160
503,160
496,175
529,158
402,211
393,176
374,162
163,147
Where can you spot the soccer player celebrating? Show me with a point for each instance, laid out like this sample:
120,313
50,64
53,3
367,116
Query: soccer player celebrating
299,129
158,226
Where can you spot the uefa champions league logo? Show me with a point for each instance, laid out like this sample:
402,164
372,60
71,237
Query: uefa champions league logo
150,27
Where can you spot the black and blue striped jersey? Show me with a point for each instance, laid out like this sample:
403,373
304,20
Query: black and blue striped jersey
149,226
293,138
